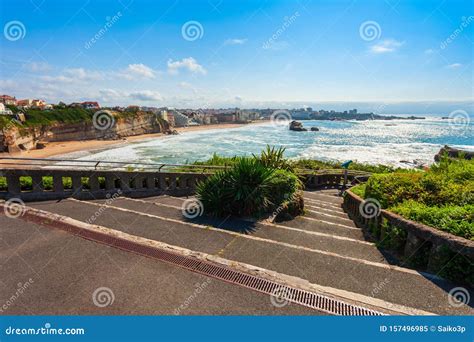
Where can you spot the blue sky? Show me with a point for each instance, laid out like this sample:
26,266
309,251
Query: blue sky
244,53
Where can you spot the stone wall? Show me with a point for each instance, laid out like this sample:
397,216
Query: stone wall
414,244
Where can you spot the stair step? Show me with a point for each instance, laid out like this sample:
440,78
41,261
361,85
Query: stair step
286,234
360,274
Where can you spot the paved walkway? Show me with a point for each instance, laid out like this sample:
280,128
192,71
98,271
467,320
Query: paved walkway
323,247
66,270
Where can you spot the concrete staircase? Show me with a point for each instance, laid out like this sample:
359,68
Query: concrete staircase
323,247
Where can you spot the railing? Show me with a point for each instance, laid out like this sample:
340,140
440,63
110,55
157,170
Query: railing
418,244
339,177
52,163
48,184
31,179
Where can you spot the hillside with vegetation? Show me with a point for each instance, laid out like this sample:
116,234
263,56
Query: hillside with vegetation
39,117
441,197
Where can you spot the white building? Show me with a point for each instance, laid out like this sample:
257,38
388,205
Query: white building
180,120
4,110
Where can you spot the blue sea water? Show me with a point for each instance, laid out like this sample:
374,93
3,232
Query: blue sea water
396,142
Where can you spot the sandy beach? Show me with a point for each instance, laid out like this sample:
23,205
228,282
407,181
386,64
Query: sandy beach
63,147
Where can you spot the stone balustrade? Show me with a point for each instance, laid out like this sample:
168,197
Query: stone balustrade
333,178
91,184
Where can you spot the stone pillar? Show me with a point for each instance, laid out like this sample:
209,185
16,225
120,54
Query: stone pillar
109,182
94,183
76,183
138,182
172,185
13,182
162,182
125,181
37,182
150,182
58,183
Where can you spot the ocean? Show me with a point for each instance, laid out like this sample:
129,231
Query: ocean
402,143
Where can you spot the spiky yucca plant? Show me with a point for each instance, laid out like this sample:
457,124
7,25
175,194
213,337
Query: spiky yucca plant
249,188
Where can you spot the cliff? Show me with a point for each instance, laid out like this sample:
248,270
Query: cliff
15,138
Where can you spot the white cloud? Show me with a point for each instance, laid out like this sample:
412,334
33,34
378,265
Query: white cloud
113,95
454,65
135,71
429,51
235,41
74,76
84,74
37,66
387,45
185,85
146,95
189,64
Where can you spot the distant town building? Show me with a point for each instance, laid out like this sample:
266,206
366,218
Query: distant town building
301,114
132,108
26,103
33,103
90,105
180,120
225,117
4,110
8,100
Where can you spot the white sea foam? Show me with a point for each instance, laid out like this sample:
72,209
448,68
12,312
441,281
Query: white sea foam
377,142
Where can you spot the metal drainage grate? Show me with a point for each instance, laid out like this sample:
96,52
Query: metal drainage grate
294,295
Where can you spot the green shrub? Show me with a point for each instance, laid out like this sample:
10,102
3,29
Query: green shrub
440,197
457,220
274,158
391,189
359,190
313,164
247,189
393,237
